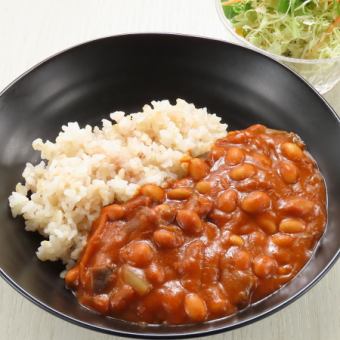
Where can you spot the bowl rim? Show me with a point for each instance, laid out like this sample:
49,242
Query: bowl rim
169,335
227,23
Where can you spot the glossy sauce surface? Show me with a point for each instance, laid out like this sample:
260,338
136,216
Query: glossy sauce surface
239,226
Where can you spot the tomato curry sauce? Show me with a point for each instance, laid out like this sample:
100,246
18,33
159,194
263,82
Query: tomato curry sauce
241,224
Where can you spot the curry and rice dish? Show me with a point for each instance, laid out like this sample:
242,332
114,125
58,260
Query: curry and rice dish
201,224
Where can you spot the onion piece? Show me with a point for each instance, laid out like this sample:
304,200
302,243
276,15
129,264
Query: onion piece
136,279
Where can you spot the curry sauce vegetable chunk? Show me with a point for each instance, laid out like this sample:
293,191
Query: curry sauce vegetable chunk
238,227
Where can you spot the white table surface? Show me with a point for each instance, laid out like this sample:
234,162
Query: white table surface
32,30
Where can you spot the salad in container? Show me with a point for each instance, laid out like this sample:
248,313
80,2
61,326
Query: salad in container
303,34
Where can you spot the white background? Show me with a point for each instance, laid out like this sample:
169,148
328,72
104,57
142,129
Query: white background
32,30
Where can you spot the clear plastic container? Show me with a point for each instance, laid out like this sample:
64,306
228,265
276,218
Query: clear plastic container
323,74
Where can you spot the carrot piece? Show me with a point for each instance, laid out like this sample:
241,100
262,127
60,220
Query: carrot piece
98,226
230,2
333,25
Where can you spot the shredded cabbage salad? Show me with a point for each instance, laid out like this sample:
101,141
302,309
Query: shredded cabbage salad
308,29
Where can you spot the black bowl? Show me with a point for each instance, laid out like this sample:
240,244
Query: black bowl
87,82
